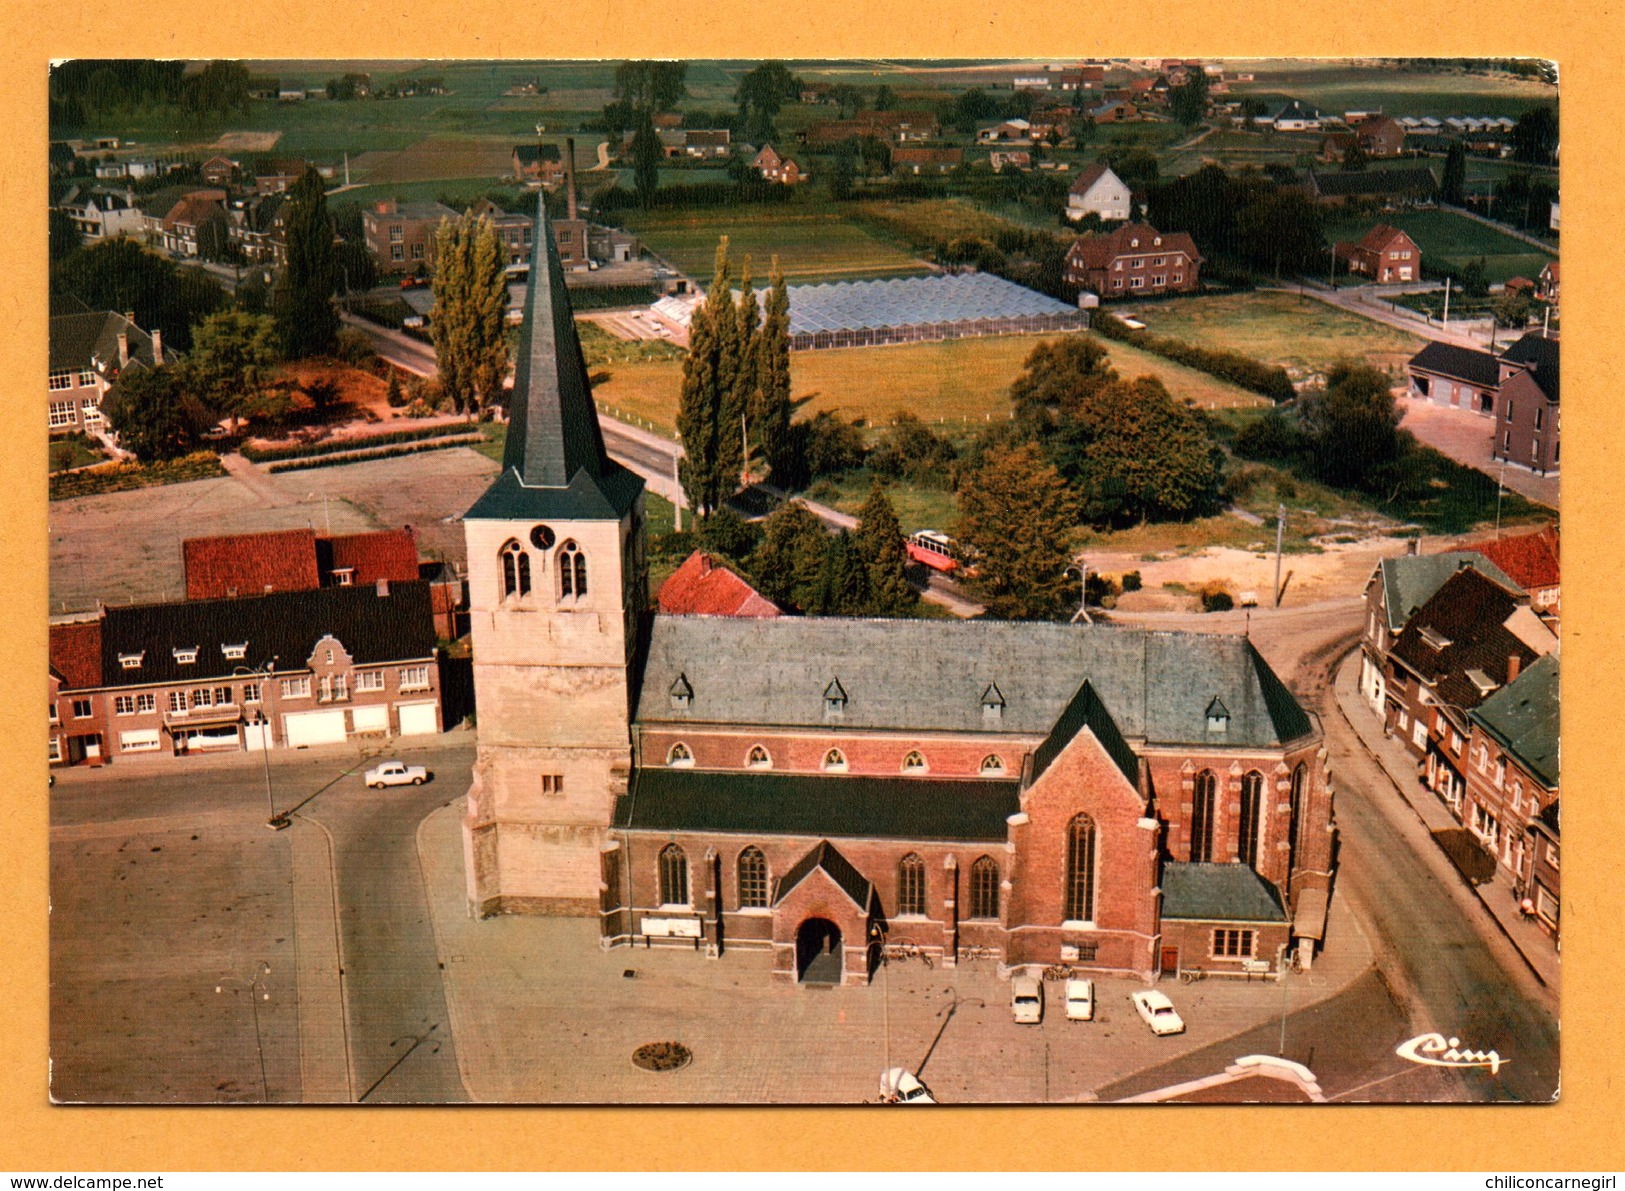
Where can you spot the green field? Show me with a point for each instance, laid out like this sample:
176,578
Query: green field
1336,87
1448,241
958,383
812,243
1300,334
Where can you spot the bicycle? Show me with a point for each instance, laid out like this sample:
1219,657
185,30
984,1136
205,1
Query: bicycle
1192,975
909,951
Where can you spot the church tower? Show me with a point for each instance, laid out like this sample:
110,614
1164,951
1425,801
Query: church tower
556,583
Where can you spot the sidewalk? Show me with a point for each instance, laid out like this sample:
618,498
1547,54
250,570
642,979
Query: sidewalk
1530,940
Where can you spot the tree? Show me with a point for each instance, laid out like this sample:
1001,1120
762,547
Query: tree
64,236
911,450
118,274
885,101
772,415
232,362
843,171
647,154
1016,513
1511,309
1534,137
303,303
358,271
708,410
1453,188
650,87
786,565
1188,101
1352,425
1355,158
153,415
1474,281
883,551
469,319
842,588
760,95
1282,229
1058,377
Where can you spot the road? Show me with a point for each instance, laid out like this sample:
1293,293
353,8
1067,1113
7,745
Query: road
1439,950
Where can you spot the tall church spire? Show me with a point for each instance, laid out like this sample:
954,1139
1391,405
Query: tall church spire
554,463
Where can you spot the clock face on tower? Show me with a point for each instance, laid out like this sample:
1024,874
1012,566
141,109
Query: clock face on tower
541,537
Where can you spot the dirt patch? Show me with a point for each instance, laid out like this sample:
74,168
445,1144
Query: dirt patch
1342,569
246,142
445,157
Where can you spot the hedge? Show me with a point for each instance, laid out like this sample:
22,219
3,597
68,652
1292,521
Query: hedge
120,477
338,460
340,446
1269,379
600,297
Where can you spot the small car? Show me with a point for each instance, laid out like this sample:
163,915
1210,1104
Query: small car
396,773
898,1085
1080,1000
1157,1011
1027,1000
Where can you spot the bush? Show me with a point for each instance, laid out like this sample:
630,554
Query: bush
726,533
1273,436
1269,379
911,450
395,396
120,477
311,450
1216,599
353,347
1131,581
362,455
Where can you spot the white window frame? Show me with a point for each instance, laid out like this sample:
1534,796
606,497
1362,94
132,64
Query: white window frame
86,378
123,704
60,414
177,703
414,678
146,703
369,680
296,688
54,752
251,692
60,381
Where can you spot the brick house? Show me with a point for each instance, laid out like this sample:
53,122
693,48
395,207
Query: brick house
218,171
287,669
1394,186
400,235
704,587
1100,190
191,221
1385,255
776,168
1019,159
1377,136
829,787
1528,420
1550,282
259,228
513,230
278,176
542,164
1540,882
1533,562
919,160
1512,765
1134,261
88,351
1460,377
1085,78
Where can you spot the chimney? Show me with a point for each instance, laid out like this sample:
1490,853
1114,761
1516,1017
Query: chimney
157,346
1514,666
383,588
705,564
570,172
123,349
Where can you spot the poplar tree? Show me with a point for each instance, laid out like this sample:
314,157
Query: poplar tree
707,412
771,417
883,551
469,319
306,322
744,401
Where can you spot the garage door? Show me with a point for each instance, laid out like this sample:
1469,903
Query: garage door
313,727
418,719
371,719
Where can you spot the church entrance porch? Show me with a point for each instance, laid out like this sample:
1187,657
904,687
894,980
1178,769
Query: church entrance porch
818,952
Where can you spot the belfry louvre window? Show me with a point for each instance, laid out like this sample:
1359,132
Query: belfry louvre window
752,879
1080,869
515,570
911,885
984,888
673,876
572,570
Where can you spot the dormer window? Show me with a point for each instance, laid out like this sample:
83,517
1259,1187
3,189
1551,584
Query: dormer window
1482,682
1157,242
679,757
235,653
1435,639
344,577
758,758
992,704
834,699
914,762
682,695
131,661
1134,243
992,765
186,657
1218,717
835,761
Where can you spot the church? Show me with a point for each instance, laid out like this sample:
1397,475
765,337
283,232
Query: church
834,791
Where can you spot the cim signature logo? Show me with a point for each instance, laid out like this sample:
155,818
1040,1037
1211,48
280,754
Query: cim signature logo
1435,1050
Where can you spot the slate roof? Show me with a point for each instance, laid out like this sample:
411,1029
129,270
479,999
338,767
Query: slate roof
1469,612
1218,893
76,653
1099,250
1538,357
1458,363
1410,580
554,463
825,856
1087,711
530,154
76,339
929,675
283,626
1531,559
1297,110
247,564
1408,181
1523,717
703,587
855,807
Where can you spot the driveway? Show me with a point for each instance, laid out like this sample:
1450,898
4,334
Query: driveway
1468,439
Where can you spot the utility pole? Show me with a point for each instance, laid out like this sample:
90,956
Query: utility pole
1280,533
1445,322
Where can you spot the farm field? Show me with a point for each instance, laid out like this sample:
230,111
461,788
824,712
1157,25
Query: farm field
960,382
1448,241
1339,86
812,244
1301,335
441,157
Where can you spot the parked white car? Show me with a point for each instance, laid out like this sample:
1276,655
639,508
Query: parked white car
1080,1000
1027,1000
898,1085
396,773
1157,1011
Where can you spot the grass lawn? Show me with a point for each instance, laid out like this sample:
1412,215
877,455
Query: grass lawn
959,382
917,507
1399,90
1449,241
812,244
73,452
1301,335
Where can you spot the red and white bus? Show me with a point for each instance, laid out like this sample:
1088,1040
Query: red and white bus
936,550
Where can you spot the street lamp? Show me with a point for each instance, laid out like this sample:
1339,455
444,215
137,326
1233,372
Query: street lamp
255,985
1081,570
273,820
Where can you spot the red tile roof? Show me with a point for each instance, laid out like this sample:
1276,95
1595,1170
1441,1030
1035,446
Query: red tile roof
386,554
1090,175
1530,560
76,653
1100,250
250,564
1380,236
703,587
